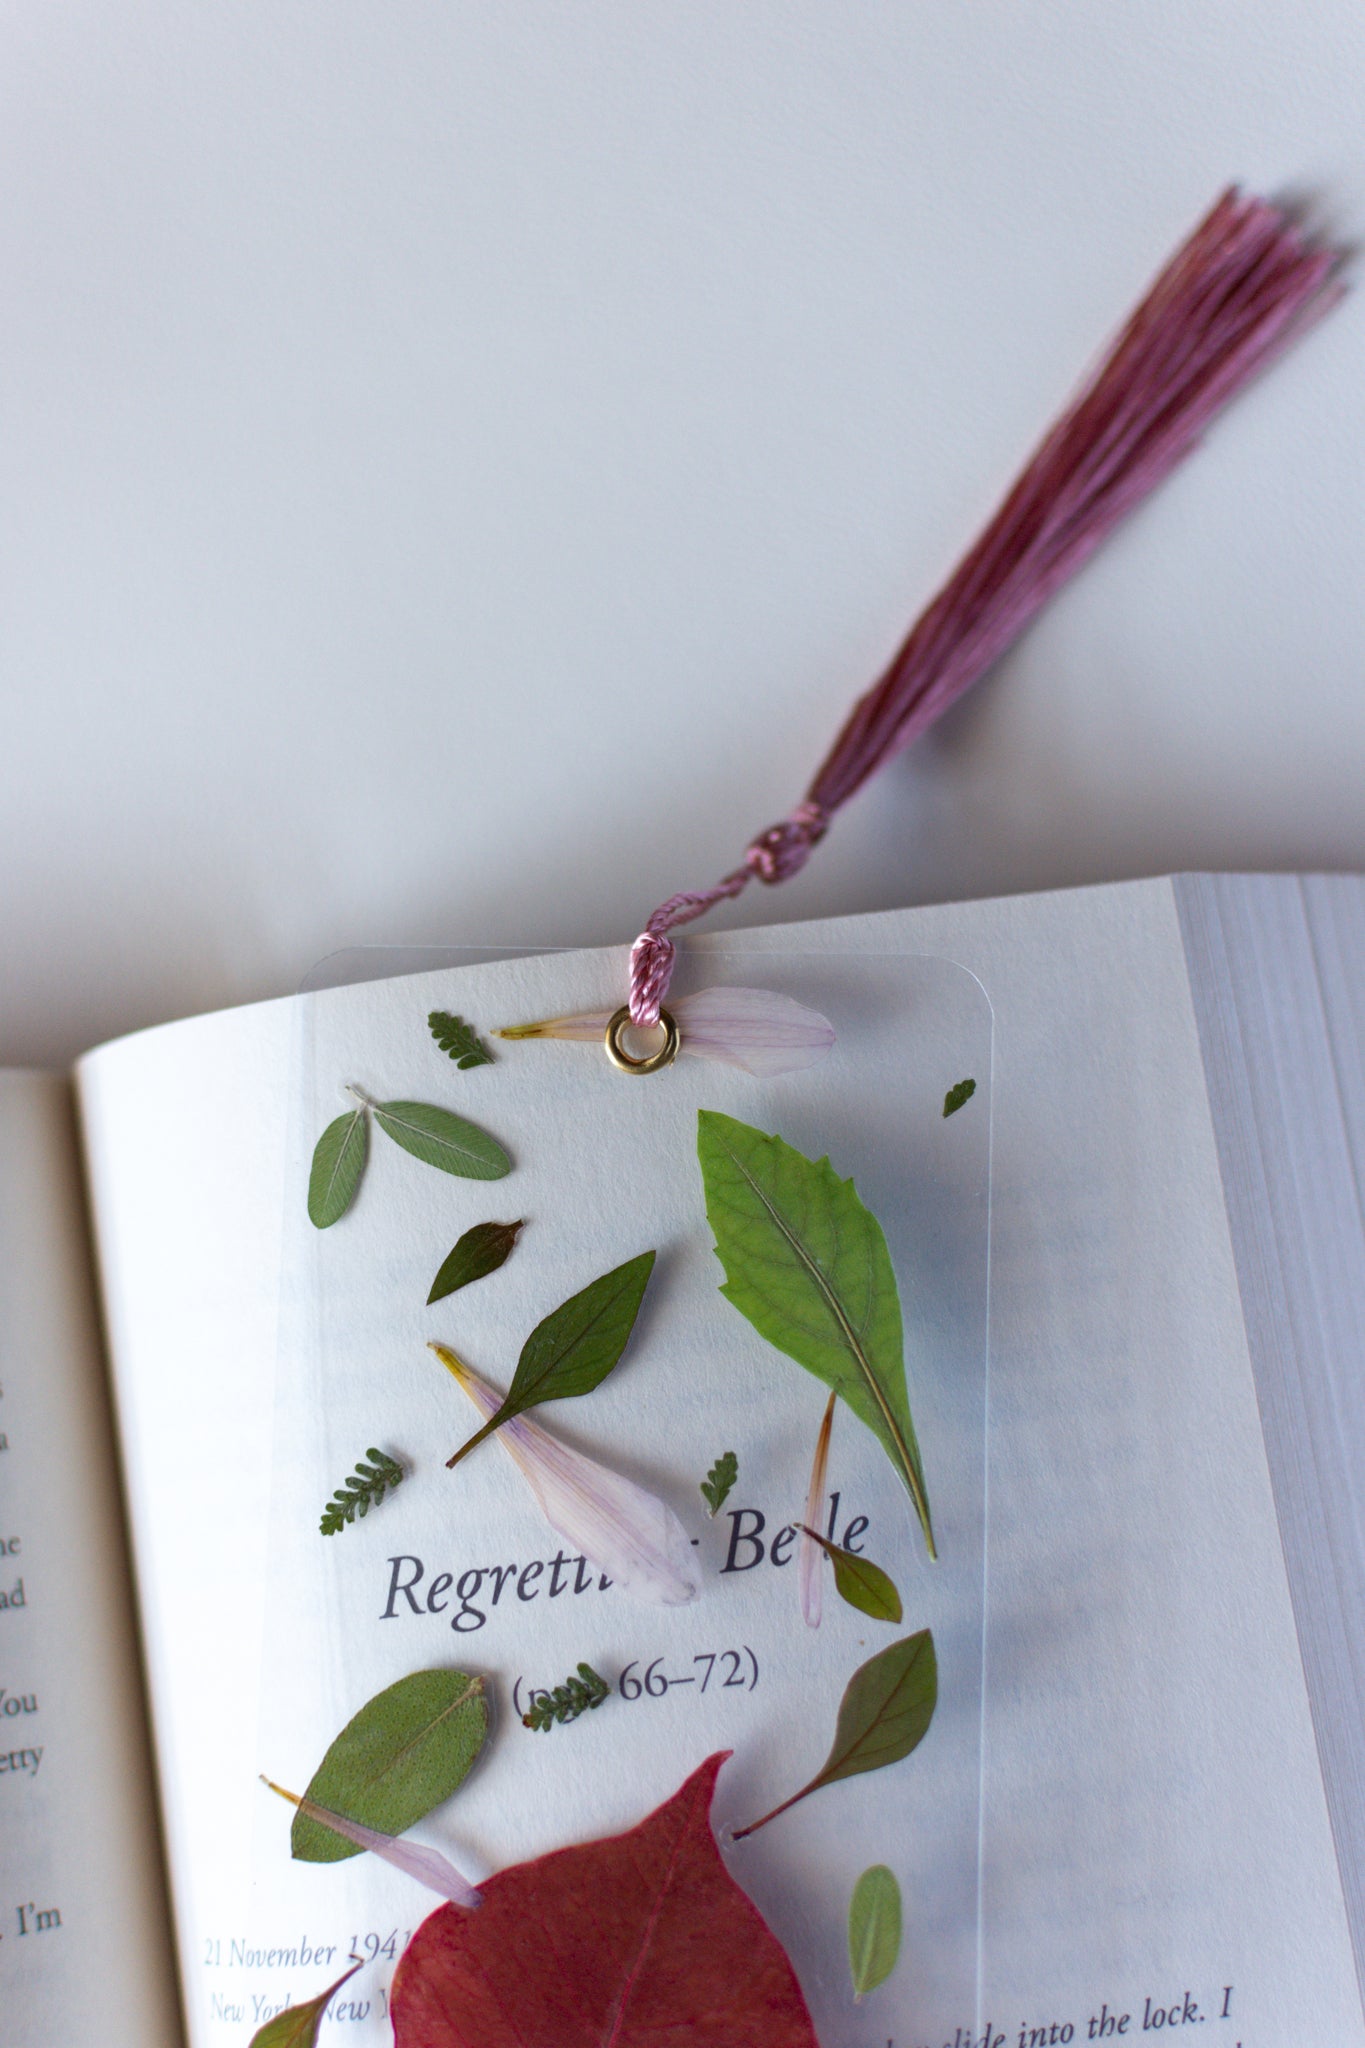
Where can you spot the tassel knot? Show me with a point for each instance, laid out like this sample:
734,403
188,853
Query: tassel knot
785,848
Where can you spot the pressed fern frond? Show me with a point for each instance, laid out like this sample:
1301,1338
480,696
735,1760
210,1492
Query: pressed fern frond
576,1696
718,1481
364,1490
458,1039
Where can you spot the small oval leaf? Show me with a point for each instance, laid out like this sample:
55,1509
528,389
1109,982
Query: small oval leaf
477,1254
297,2026
338,1162
861,1583
440,1138
874,1928
404,1753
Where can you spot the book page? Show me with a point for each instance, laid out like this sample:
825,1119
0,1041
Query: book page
462,1568
84,1942
1154,1844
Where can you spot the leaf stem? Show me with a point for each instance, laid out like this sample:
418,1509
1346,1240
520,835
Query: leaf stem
754,1825
365,1101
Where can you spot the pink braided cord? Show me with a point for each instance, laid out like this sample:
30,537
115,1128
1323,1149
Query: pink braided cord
1230,300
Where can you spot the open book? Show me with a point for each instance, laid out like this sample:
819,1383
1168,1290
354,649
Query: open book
1131,1264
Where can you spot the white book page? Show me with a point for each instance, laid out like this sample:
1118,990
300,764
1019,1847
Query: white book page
1154,1835
84,1947
605,1168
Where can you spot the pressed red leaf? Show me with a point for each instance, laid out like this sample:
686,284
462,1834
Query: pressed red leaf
643,1940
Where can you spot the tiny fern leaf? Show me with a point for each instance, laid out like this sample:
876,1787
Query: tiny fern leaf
715,1488
576,1696
458,1039
364,1490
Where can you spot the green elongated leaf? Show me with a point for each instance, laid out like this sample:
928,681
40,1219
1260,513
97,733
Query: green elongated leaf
715,1488
297,2026
440,1138
874,1928
575,1347
477,1254
338,1162
405,1752
458,1039
856,1579
960,1092
884,1714
807,1263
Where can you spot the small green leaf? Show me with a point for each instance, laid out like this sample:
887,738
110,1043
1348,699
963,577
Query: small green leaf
439,1138
807,1263
575,1347
297,2026
364,1489
861,1583
884,1714
576,1696
338,1162
477,1254
960,1092
405,1752
715,1488
874,1928
458,1039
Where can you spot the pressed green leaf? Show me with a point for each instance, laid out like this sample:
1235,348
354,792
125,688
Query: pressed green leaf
440,1138
297,2026
578,1695
361,1491
863,1584
884,1714
807,1263
405,1752
458,1039
715,1488
477,1254
338,1162
575,1347
960,1092
874,1928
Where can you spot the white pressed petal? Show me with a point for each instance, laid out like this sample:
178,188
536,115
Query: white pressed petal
629,1534
753,1028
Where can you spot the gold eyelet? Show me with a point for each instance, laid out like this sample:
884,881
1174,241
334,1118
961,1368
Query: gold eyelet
651,1062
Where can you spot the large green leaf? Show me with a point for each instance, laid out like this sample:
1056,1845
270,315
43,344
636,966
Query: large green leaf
884,1714
338,1162
808,1265
575,1347
874,1928
440,1138
297,2026
405,1752
477,1254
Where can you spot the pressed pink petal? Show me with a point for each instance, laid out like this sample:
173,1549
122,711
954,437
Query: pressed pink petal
754,1028
810,1557
428,1866
626,1532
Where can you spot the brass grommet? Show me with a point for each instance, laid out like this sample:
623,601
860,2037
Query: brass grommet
651,1062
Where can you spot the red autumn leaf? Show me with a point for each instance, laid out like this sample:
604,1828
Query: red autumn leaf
643,1940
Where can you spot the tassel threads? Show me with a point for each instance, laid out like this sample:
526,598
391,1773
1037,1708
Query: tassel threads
1238,291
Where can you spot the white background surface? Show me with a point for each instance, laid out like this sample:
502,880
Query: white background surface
461,460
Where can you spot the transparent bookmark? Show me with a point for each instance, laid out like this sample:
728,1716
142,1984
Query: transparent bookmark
460,1568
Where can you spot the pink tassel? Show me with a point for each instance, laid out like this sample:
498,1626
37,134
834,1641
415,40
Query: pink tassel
1241,288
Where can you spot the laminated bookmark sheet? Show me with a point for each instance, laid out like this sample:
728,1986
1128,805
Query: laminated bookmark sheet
460,1569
